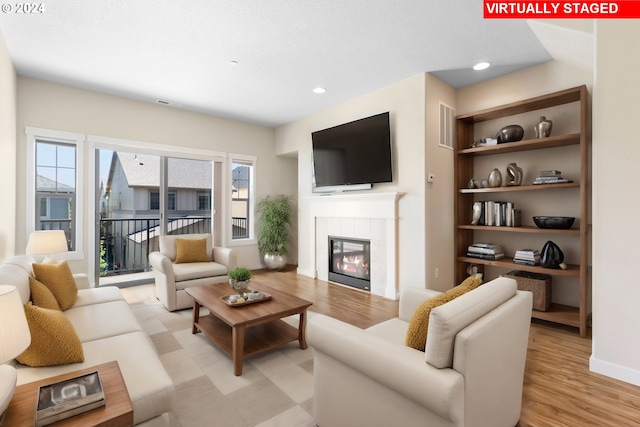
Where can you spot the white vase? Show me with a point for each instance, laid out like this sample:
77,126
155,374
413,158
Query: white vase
275,262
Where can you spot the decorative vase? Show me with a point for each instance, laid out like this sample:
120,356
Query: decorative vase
552,256
543,128
514,175
239,286
511,133
495,178
275,262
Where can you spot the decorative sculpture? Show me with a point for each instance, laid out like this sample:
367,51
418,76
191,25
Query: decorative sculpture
477,212
543,128
514,175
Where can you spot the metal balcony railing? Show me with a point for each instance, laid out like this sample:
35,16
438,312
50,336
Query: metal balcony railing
239,229
125,244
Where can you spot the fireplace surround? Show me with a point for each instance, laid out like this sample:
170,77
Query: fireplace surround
371,216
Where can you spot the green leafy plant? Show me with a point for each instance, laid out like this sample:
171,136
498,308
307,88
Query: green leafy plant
274,222
240,274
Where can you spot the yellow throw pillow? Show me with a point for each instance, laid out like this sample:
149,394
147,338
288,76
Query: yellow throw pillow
419,323
42,296
53,339
58,278
191,250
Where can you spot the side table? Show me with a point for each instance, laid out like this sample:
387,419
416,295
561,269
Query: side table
117,411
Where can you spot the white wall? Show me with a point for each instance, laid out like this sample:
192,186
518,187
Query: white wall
616,203
8,149
439,218
52,106
405,101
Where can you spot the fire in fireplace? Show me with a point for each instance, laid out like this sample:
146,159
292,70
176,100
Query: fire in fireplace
349,262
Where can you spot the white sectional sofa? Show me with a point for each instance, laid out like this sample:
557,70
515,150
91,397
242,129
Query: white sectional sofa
108,331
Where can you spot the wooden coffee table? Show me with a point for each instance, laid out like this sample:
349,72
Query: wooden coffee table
248,329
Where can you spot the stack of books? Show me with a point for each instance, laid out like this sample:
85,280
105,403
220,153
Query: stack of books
527,257
485,251
499,214
551,176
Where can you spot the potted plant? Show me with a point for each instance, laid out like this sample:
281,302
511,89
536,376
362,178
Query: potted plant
239,279
273,235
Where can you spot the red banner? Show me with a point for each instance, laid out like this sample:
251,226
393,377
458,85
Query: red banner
624,9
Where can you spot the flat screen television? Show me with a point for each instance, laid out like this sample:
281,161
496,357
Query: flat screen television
352,154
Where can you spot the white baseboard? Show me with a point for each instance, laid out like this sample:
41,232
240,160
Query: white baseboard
612,370
308,273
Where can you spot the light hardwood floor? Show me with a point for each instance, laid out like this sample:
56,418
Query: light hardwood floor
559,389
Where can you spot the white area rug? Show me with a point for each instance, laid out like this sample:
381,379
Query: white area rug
275,388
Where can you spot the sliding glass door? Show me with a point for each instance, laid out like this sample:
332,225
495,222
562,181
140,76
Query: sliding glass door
142,196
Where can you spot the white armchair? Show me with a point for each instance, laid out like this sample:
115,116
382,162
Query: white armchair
471,372
172,279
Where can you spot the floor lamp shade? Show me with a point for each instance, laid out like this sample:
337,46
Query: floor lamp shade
14,339
14,331
47,242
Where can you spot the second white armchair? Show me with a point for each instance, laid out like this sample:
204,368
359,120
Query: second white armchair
172,278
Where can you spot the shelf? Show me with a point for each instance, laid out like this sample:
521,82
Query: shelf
550,100
468,158
522,229
506,262
558,313
513,188
526,145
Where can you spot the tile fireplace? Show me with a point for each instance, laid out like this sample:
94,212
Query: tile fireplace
371,217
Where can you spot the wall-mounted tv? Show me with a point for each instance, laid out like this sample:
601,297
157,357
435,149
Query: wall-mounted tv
353,154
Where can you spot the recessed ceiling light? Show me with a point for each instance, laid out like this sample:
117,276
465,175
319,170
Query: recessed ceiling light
481,66
233,62
319,90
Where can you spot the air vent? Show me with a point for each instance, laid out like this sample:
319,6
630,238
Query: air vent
447,126
168,103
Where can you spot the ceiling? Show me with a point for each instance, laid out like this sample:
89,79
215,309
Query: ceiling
182,52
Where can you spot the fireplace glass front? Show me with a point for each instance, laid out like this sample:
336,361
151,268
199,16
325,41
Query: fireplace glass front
349,261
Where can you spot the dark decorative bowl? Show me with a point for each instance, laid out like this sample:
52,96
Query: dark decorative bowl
511,133
557,222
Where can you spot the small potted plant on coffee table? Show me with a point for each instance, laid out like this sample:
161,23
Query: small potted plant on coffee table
239,279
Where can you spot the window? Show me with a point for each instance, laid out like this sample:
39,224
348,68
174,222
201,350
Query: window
154,201
242,179
204,201
54,190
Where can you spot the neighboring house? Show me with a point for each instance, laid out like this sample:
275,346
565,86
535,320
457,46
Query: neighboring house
55,201
130,205
132,185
